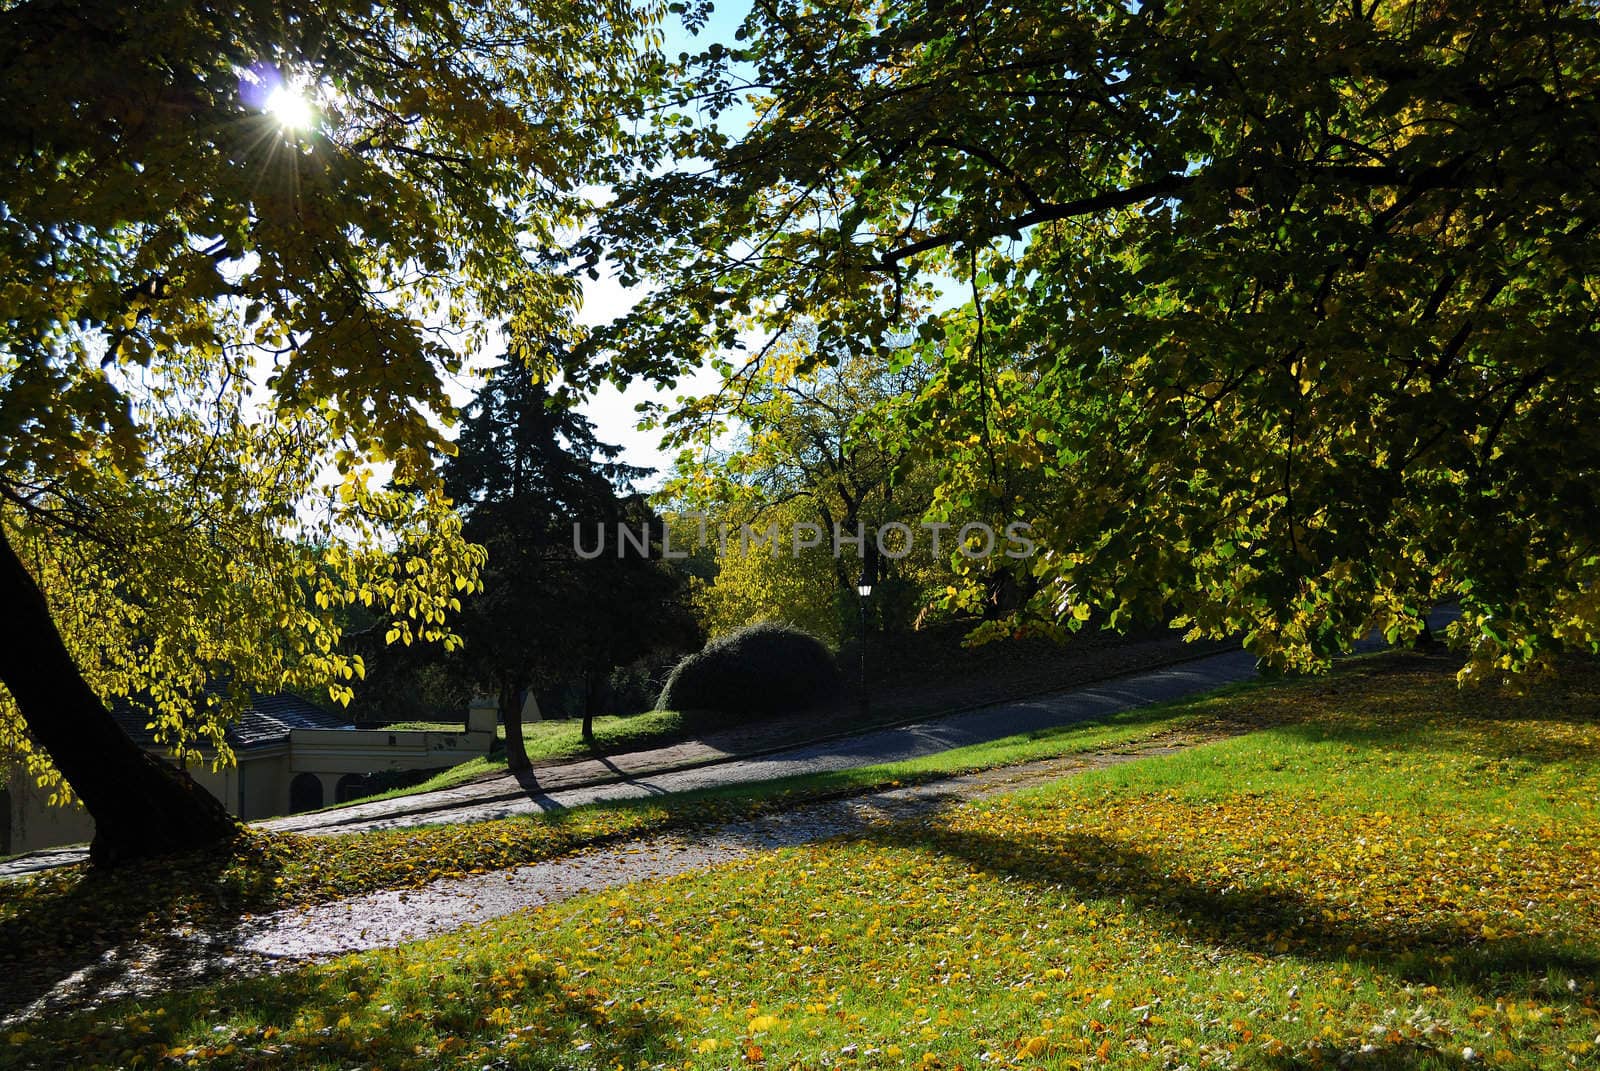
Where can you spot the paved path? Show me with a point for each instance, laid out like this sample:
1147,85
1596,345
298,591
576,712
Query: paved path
867,749
546,789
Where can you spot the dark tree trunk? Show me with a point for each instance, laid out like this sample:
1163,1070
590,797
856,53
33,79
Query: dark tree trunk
141,806
511,718
588,708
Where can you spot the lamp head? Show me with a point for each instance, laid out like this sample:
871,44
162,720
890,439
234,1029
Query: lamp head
864,584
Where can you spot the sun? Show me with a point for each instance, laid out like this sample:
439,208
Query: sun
290,108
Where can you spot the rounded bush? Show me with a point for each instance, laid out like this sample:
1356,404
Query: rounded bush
761,669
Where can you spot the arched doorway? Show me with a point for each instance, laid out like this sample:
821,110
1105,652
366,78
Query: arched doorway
305,793
350,787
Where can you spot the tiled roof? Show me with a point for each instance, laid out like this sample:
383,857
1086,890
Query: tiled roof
267,722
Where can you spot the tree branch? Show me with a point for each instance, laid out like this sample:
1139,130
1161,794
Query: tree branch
1166,186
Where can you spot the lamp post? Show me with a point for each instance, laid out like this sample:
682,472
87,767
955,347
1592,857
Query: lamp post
864,590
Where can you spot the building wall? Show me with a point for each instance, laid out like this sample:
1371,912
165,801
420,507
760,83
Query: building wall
259,787
35,824
364,751
263,786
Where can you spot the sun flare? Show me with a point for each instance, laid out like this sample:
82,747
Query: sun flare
290,108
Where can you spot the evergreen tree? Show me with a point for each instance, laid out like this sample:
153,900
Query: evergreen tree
530,474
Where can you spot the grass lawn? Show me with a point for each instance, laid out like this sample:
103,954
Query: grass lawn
1392,874
551,741
268,871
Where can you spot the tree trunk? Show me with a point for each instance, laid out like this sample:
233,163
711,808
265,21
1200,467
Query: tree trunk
588,709
141,806
511,718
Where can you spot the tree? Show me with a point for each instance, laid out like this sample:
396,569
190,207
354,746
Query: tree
1305,294
243,247
536,485
807,448
750,583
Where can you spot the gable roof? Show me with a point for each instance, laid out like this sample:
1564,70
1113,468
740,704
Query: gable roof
266,723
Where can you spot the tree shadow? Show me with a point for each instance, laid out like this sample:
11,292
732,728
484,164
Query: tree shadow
1269,920
395,1022
1483,722
625,778
528,780
85,930
1399,1056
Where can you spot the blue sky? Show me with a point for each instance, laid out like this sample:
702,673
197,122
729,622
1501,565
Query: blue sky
612,410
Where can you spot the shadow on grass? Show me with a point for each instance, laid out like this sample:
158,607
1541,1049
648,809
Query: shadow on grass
1268,920
478,1011
1400,1056
1484,724
90,929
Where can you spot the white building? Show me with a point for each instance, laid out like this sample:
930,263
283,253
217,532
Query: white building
291,756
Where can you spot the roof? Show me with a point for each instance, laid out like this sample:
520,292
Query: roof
267,722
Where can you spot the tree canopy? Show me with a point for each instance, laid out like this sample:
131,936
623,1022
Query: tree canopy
805,446
1297,302
244,248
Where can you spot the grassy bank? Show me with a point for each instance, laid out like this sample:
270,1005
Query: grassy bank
1391,874
554,741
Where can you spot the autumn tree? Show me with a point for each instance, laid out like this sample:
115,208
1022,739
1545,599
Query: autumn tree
1304,295
243,248
793,441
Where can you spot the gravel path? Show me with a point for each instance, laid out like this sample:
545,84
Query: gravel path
391,918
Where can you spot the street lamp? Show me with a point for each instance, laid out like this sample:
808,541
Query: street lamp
864,589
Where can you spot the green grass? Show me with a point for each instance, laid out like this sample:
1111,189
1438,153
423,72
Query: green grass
1388,874
1395,867
548,742
90,912
561,738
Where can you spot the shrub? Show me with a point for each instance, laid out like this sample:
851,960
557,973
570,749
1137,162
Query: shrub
761,669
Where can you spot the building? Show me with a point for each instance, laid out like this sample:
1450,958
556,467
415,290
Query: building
291,756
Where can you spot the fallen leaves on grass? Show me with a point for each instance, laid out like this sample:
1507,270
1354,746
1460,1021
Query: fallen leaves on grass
1403,880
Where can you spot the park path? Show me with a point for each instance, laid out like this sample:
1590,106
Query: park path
539,790
156,964
695,765
643,773
394,917
723,759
